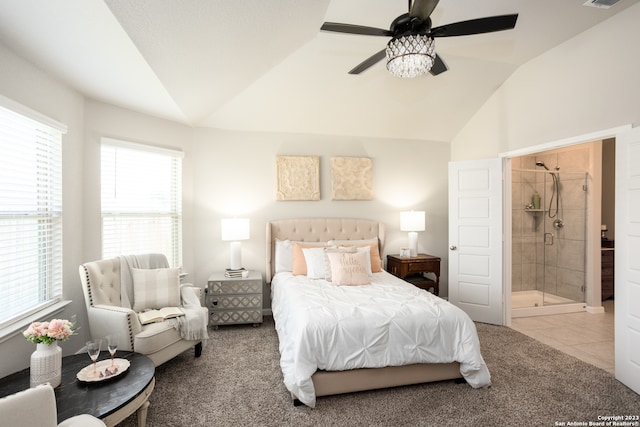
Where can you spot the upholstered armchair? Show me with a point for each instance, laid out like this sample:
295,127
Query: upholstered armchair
37,407
117,289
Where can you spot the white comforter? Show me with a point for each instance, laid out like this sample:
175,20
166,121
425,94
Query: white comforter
387,323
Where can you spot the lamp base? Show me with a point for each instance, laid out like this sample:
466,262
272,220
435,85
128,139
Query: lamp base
413,243
235,256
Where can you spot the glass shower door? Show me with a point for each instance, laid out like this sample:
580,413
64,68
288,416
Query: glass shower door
563,266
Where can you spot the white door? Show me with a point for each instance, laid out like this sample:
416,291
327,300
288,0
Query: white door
627,259
475,238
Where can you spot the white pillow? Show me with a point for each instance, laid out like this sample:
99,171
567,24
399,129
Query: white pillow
283,256
314,258
155,288
366,249
349,269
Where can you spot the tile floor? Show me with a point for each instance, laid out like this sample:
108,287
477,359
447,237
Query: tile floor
588,337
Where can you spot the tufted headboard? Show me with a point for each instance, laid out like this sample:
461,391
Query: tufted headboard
319,230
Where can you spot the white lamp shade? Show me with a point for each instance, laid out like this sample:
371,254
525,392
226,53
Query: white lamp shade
235,229
412,221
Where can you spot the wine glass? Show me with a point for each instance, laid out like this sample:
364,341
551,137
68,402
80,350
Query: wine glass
93,348
112,345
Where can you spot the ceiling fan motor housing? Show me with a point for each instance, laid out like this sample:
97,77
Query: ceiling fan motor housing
406,24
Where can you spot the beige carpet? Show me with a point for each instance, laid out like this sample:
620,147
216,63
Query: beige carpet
238,382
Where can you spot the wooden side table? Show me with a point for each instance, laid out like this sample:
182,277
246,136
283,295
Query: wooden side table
413,270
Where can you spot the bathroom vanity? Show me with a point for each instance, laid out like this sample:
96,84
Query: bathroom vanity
607,274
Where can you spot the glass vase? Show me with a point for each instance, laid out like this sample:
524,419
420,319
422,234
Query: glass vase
46,365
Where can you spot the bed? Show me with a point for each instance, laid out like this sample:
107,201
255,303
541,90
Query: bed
341,339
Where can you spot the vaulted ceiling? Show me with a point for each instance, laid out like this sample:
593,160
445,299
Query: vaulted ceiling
262,65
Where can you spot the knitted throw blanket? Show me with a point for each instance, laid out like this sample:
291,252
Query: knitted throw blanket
193,325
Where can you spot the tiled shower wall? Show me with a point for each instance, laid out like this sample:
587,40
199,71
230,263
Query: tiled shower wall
562,271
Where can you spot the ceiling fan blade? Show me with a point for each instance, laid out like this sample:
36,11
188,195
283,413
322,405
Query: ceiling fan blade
370,61
355,29
476,26
438,66
423,8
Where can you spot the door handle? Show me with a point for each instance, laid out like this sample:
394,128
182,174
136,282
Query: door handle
453,247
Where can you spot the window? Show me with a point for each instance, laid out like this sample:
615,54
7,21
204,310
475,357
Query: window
30,212
141,200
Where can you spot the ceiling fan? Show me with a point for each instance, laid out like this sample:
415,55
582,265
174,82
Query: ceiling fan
410,52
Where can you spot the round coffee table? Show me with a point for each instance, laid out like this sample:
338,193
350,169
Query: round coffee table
111,400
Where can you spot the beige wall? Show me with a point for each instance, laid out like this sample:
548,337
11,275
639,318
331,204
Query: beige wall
584,86
27,85
587,84
224,174
228,174
235,176
563,93
103,120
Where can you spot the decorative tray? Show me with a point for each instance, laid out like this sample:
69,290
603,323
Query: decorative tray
104,370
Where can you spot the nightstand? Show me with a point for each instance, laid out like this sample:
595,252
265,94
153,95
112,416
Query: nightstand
234,300
413,269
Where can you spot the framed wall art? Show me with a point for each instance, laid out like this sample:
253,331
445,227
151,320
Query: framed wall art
298,178
351,178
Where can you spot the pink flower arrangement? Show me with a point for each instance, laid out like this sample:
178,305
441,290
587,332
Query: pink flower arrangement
48,332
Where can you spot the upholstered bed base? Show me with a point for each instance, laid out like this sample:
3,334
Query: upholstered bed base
337,382
327,383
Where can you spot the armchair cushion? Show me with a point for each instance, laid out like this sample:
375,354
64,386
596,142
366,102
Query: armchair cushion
155,337
155,288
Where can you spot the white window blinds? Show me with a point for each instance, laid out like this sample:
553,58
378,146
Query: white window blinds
30,214
141,200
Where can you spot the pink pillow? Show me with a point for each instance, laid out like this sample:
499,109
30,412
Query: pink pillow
376,261
336,249
348,269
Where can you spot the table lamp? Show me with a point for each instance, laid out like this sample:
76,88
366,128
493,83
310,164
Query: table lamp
412,221
234,230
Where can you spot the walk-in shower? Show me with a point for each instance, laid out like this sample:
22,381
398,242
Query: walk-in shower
548,240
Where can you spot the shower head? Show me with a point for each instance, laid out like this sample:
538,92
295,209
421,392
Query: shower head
540,163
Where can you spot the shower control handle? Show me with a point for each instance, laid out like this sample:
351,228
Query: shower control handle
453,247
548,239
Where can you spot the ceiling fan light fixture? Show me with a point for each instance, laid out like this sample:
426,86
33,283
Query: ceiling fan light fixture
410,56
